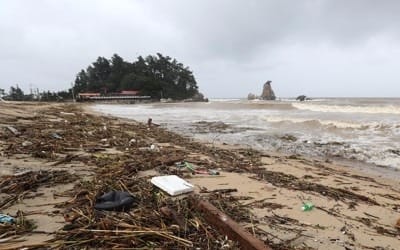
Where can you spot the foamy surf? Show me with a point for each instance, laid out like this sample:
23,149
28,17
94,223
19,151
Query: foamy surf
350,129
390,109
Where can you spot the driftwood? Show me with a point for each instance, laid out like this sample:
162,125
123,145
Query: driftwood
228,226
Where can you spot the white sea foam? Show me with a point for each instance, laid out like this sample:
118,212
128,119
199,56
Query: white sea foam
387,109
338,124
225,99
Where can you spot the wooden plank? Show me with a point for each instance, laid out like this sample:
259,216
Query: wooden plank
228,226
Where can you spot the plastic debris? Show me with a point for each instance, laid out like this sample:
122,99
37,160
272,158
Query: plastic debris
132,142
196,170
172,184
67,114
26,143
56,136
6,219
154,148
307,206
13,130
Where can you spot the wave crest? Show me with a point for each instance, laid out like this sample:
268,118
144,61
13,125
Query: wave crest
389,109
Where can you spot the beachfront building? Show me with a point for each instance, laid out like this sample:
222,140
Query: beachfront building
87,96
125,95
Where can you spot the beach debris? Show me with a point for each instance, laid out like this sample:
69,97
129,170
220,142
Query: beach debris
220,191
173,215
67,113
13,130
6,219
172,184
115,201
19,226
187,165
307,206
154,148
31,180
195,170
26,144
132,142
56,136
227,226
161,221
206,171
280,179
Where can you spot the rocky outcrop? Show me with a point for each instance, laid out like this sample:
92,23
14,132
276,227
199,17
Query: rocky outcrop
251,96
198,97
268,93
301,98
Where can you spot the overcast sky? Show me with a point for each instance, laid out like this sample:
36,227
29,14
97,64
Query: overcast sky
322,48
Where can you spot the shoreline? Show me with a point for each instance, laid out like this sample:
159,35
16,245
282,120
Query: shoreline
352,209
361,167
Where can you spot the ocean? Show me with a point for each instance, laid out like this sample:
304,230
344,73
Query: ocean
354,130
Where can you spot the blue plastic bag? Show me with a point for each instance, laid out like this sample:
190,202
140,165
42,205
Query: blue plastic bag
6,219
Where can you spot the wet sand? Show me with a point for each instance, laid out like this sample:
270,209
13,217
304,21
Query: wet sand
353,210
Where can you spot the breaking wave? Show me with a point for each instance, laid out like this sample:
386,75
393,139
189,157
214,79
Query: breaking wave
317,122
388,109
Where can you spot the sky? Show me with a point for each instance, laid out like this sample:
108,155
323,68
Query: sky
320,48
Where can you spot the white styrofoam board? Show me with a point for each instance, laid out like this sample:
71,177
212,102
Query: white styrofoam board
172,184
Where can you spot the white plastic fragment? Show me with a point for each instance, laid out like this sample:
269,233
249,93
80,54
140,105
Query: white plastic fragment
172,184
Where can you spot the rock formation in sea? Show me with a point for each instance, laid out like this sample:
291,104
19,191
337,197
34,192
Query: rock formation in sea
268,93
301,98
251,96
198,97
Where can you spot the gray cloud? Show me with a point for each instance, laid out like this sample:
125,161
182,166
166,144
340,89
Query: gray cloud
320,48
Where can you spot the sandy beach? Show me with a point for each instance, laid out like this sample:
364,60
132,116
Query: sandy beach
60,157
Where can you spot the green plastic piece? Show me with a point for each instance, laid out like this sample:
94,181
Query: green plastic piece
307,206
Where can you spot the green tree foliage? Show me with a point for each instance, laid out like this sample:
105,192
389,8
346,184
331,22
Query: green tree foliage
16,93
157,76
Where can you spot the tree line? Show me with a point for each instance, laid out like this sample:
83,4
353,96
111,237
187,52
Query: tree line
156,76
17,94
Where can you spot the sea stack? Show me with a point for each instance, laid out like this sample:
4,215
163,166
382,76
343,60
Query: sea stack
268,93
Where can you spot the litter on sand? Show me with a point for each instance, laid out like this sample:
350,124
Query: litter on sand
172,184
6,219
115,201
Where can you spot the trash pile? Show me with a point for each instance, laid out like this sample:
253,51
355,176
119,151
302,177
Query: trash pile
145,223
11,228
22,184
